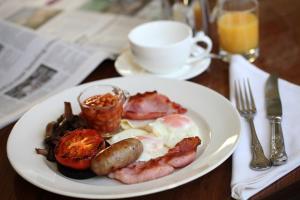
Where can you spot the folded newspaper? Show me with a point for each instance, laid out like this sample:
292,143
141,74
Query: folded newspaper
33,67
47,46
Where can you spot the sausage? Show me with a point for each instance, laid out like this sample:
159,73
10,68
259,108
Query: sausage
117,156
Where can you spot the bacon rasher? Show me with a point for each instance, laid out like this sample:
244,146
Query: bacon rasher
179,156
150,105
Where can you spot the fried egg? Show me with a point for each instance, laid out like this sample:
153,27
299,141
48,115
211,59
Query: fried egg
153,146
173,128
160,135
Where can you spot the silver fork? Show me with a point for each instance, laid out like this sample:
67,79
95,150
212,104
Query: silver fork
246,107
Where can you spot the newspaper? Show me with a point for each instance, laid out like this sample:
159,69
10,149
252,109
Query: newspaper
33,67
107,32
49,45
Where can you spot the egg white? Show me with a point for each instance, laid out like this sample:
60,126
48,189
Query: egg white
160,135
171,135
153,146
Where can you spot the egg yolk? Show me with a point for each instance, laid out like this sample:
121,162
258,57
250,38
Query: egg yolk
176,120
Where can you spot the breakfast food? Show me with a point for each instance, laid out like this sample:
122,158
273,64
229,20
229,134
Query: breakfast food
77,148
133,153
153,146
173,128
117,156
180,156
103,111
160,135
56,129
150,105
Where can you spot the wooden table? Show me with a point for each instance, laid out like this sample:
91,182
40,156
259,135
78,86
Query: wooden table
279,53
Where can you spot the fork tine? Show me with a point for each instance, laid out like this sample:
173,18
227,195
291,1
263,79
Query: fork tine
251,96
247,100
241,96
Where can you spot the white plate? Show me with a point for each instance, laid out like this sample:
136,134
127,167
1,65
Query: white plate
125,66
216,117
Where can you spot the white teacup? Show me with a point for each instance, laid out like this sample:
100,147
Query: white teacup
165,46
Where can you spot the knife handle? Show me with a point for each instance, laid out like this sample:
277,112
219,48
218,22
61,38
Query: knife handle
278,154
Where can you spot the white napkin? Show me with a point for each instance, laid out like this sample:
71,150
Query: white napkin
246,182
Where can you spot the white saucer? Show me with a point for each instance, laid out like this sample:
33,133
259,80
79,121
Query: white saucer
125,66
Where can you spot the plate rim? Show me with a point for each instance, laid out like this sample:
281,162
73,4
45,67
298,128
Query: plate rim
132,194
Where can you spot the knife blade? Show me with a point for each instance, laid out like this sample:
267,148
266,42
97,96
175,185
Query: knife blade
274,114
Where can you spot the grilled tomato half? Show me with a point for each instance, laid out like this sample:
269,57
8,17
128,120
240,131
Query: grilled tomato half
76,148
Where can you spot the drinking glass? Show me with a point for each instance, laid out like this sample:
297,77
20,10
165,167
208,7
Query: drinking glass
238,29
186,11
102,107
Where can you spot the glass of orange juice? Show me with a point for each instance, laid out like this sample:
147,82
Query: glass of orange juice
238,28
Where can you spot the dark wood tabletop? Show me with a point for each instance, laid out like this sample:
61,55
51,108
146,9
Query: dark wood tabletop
279,53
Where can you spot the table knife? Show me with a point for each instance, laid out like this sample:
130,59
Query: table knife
274,114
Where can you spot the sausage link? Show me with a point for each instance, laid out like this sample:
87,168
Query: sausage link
117,156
